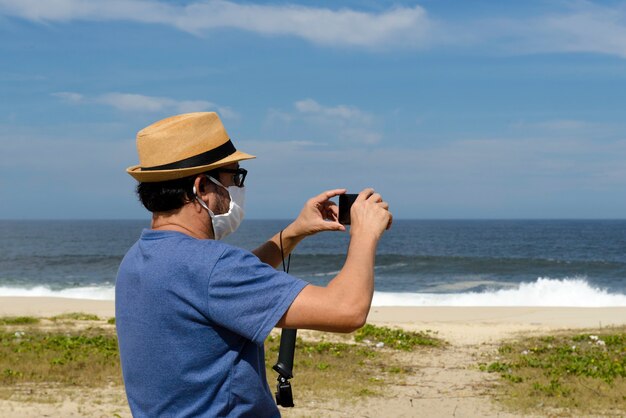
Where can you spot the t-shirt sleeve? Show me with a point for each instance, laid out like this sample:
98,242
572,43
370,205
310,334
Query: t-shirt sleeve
249,297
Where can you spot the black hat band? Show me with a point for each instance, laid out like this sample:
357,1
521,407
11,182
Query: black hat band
206,158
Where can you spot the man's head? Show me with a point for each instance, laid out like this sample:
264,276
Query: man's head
189,162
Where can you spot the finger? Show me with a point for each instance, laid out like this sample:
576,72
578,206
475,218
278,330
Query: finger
330,216
365,194
390,221
328,194
376,197
383,205
332,226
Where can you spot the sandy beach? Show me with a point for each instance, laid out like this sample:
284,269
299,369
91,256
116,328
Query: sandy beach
447,382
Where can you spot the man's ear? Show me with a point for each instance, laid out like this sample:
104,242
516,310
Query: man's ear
199,184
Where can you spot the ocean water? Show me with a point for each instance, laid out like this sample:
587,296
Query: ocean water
419,262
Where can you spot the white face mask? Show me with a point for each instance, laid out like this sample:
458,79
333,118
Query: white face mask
226,223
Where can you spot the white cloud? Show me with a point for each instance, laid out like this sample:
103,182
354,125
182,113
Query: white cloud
69,96
317,25
576,27
340,122
140,103
570,26
360,135
135,102
587,28
579,26
310,106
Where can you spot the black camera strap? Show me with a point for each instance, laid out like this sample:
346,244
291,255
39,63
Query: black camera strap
286,351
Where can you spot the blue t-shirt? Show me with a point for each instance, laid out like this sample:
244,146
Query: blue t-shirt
192,316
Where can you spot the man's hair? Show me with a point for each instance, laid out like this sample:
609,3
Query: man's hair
165,196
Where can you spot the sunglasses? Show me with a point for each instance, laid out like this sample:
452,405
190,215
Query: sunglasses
239,175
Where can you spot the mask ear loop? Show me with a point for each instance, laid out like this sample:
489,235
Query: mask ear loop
204,205
214,180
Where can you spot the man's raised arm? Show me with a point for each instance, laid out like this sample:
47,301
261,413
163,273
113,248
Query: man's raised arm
343,305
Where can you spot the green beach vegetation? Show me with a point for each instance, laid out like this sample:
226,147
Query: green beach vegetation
75,316
570,373
72,356
18,320
352,366
397,338
576,373
79,350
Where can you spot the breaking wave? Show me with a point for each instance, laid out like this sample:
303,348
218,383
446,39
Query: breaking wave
566,292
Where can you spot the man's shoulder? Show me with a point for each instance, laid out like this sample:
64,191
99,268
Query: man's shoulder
179,244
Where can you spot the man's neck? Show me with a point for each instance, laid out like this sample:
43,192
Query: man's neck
188,220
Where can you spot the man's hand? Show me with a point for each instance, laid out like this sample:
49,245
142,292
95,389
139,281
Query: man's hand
370,214
343,305
319,214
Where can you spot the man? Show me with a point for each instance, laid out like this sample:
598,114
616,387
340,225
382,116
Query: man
192,313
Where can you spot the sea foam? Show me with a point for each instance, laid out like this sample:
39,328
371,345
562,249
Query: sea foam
87,292
567,292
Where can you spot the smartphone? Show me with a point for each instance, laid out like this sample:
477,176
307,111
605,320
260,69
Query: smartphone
345,203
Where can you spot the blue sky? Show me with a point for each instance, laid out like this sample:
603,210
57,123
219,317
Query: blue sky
450,109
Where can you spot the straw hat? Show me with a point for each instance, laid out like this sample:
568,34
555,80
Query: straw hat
183,145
